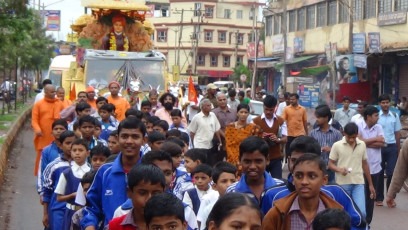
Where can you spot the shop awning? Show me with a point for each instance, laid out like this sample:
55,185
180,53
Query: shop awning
262,59
215,73
295,60
309,71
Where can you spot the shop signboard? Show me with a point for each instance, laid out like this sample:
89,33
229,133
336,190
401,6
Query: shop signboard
278,46
392,18
360,61
309,95
346,71
358,42
374,42
52,19
298,45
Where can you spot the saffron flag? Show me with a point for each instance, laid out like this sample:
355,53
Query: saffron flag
72,93
192,95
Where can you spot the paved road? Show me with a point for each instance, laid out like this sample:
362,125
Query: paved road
20,208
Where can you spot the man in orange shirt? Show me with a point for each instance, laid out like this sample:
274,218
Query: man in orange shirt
44,113
90,94
61,96
295,118
120,103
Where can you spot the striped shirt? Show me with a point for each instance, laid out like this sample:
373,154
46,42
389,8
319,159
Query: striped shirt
297,219
326,139
51,176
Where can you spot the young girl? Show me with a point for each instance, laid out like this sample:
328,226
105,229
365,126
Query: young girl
235,210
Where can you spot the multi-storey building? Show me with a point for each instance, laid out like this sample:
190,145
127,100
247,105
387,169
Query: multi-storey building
376,32
207,37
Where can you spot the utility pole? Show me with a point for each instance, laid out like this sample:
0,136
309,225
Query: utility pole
350,44
253,82
285,44
180,36
197,39
253,23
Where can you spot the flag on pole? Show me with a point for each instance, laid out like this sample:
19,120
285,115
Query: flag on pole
72,93
192,95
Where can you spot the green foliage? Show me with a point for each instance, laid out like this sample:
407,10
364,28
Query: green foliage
241,69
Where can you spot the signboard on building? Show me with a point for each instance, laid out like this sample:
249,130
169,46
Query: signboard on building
358,42
278,44
346,71
298,45
360,61
52,19
309,95
374,42
392,18
251,49
289,54
331,52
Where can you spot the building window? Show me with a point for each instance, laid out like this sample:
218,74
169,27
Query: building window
209,10
292,21
332,16
214,61
239,14
240,59
227,13
226,62
208,35
201,60
268,26
197,9
369,9
276,24
343,13
250,36
401,5
301,19
162,35
384,6
321,14
222,36
240,39
251,14
358,10
311,17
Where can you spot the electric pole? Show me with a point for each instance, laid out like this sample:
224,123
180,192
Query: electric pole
180,36
285,44
350,44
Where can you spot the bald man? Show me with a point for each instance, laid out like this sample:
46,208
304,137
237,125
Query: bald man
61,96
44,113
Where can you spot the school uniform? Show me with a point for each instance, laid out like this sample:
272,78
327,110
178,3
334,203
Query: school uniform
107,128
49,153
125,222
192,197
68,184
181,182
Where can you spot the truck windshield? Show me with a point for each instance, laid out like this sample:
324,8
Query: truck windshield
55,77
100,72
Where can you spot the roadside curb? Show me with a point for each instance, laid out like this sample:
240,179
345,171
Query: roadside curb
9,141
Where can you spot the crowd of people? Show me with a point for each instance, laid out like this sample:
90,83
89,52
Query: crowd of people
211,164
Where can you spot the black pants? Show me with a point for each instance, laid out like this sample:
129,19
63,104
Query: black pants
275,168
388,155
370,202
290,139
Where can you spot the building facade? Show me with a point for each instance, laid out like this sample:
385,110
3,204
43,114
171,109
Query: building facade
371,33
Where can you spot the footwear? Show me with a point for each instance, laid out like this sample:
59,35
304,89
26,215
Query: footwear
379,203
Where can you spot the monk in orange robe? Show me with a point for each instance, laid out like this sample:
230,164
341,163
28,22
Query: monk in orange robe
61,96
44,113
90,94
120,103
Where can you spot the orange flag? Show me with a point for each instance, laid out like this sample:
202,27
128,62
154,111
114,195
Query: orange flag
72,93
192,95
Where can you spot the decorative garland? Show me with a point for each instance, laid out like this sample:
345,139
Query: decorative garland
112,42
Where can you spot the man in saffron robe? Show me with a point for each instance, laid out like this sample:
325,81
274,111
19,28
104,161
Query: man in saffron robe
44,113
61,96
120,103
90,93
116,40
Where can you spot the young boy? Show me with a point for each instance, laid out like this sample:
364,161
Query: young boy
150,123
86,126
109,123
332,219
52,151
176,117
75,128
70,179
223,175
255,181
98,129
169,215
99,154
155,140
86,182
113,143
144,181
202,179
298,209
108,190
53,212
133,112
161,126
81,109
146,107
194,157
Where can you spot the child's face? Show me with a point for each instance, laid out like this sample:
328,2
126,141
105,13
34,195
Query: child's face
254,165
243,217
149,127
166,223
86,187
176,120
84,112
87,130
156,145
144,120
113,144
146,109
99,104
177,160
130,141
308,178
224,181
190,164
97,161
202,180
159,129
66,145
105,115
97,132
167,169
57,130
141,193
79,154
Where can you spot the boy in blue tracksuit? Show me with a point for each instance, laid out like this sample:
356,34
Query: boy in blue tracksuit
255,181
108,191
298,147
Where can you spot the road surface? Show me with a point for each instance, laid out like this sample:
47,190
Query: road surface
20,208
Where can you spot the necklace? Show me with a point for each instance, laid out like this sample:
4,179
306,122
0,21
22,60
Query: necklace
112,42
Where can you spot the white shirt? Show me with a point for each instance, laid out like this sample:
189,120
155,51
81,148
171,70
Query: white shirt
187,200
357,118
39,96
284,128
204,128
206,206
281,106
192,112
78,172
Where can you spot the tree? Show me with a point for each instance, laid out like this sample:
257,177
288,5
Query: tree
239,70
